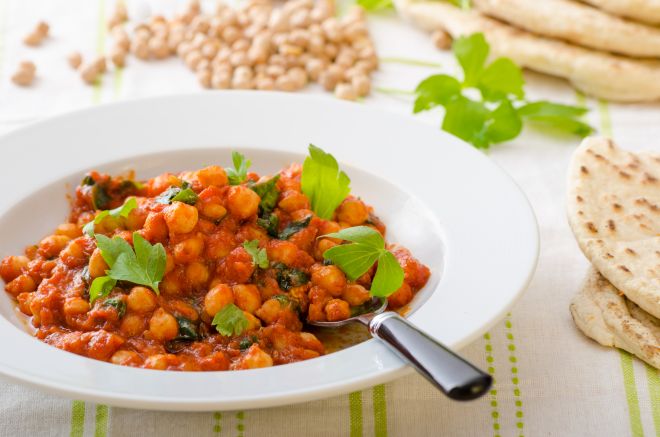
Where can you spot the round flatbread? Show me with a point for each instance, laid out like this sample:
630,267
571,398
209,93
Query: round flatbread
577,23
603,314
598,74
647,11
613,202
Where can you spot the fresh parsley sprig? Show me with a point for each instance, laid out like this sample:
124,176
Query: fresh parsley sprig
129,205
499,112
355,259
238,174
259,256
184,194
142,264
323,183
230,320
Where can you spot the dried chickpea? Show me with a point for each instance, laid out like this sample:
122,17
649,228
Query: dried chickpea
74,59
38,34
331,77
204,77
163,326
24,75
118,57
441,39
345,91
265,83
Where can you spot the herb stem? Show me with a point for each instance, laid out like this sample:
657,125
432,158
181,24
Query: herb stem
409,61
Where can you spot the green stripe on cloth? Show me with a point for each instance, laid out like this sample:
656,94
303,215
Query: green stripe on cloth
494,413
408,61
653,380
240,426
77,419
101,427
520,424
631,394
217,422
380,411
355,409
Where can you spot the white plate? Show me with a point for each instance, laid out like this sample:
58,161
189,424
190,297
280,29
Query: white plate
447,202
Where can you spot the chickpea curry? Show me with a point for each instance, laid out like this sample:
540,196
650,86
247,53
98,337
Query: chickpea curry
214,269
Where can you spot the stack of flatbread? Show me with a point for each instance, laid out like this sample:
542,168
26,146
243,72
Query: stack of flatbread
609,49
614,210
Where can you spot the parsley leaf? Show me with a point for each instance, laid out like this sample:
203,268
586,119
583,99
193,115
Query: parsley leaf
497,114
268,192
323,183
355,259
375,5
101,287
129,205
270,222
259,256
187,330
144,265
118,304
230,320
183,194
289,277
435,90
471,53
294,227
238,174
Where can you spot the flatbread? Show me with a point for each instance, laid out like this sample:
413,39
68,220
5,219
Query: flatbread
613,202
599,74
647,11
603,314
577,23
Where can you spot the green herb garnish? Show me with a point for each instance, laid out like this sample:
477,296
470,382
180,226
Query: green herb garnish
245,343
122,211
294,227
118,304
230,320
259,256
323,183
183,194
270,222
268,192
355,259
187,330
498,114
144,265
238,174
289,277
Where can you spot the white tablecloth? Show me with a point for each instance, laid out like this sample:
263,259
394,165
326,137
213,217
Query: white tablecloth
549,379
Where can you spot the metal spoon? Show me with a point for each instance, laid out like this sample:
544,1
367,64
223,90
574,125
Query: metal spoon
454,376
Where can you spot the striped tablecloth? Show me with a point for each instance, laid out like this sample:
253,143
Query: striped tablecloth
549,379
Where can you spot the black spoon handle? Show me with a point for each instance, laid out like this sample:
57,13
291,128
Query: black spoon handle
453,375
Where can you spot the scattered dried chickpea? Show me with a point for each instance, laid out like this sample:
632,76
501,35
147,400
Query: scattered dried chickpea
441,39
37,35
24,75
75,59
345,91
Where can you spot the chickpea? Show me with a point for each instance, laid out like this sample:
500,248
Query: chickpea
74,59
265,83
21,284
157,362
24,76
171,284
73,254
97,265
331,77
181,218
337,309
314,68
243,78
38,34
89,73
155,227
247,297
52,245
24,303
140,48
242,202
230,34
193,58
214,211
329,278
346,91
441,39
355,294
400,297
204,78
141,300
163,326
269,311
74,306
353,211
188,250
197,274
221,80
253,322
362,84
212,175
293,200
217,298
255,358
12,266
118,57
322,245
285,83
125,358
285,252
70,230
